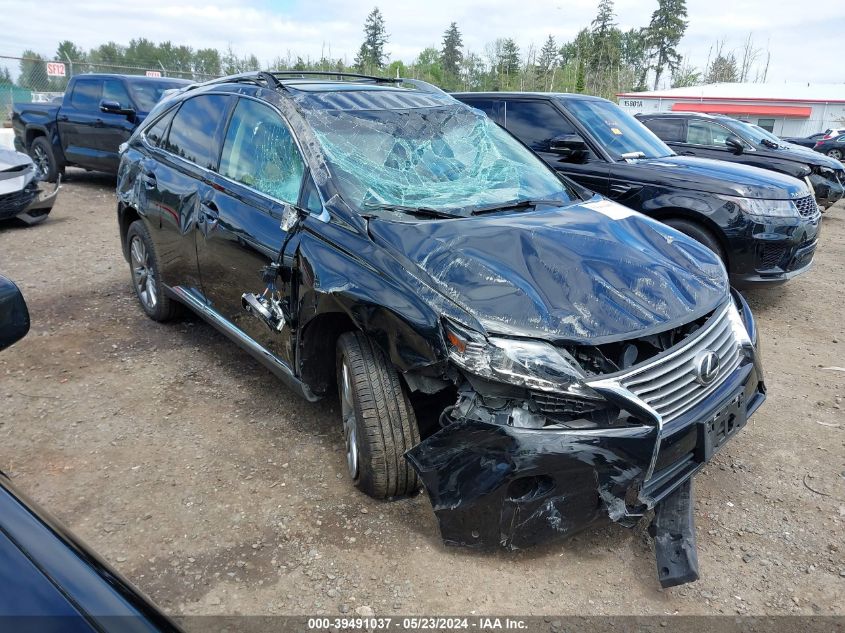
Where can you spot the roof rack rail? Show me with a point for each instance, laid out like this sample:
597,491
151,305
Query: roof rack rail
302,74
259,78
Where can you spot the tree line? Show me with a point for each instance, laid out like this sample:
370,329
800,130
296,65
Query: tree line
602,59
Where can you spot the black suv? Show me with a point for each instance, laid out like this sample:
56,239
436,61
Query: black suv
380,238
726,138
762,224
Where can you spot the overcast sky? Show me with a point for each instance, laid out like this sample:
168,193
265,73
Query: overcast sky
805,39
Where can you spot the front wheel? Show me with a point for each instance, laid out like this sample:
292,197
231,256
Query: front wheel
378,421
836,154
700,234
42,153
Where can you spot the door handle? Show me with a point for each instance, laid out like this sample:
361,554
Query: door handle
209,213
149,180
63,117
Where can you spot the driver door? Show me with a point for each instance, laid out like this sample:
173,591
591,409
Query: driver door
238,231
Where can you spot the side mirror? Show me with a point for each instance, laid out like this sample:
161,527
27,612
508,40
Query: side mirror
113,107
292,215
734,144
567,144
14,316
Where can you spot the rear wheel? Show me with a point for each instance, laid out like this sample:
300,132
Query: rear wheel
42,153
835,153
700,234
146,279
378,421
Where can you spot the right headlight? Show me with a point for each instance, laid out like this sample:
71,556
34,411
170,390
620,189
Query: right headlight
765,208
520,362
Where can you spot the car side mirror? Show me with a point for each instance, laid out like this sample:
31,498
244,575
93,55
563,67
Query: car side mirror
734,144
14,315
568,146
113,107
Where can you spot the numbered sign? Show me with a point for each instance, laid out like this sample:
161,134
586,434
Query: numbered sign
55,69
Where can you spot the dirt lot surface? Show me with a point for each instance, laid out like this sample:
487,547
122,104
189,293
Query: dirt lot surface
217,491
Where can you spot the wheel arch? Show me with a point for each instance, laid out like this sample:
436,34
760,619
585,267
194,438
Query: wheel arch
678,213
126,215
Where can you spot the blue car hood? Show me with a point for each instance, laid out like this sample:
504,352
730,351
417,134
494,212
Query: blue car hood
586,273
726,178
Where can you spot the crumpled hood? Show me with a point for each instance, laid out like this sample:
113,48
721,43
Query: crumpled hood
10,159
801,154
726,178
593,272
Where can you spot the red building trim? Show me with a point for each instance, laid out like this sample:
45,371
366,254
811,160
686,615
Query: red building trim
738,108
701,99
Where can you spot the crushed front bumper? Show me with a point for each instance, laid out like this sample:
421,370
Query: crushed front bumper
499,485
32,201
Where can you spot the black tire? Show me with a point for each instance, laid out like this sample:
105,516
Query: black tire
142,254
384,422
700,234
42,153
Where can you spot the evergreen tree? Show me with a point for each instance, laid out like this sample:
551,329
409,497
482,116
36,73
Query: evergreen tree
33,72
451,54
663,35
605,54
371,54
548,60
722,70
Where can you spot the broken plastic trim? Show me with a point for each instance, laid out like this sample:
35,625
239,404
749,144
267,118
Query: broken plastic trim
673,529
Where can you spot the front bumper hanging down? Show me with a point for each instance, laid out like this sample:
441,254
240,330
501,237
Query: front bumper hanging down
673,529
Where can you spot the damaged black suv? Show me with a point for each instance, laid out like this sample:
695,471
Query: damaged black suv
380,238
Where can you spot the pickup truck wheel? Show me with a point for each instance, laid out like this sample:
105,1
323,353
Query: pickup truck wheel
146,280
42,154
378,421
700,234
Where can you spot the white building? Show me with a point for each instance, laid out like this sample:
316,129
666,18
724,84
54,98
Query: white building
789,109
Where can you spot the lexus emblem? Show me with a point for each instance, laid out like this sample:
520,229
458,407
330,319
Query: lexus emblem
706,367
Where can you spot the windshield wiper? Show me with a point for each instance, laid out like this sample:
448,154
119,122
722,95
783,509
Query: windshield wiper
517,204
423,212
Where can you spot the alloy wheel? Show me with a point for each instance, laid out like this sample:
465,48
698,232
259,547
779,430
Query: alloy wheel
347,407
41,159
835,154
143,274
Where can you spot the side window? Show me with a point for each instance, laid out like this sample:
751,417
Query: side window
669,130
192,133
706,133
157,133
488,106
535,123
260,152
86,94
114,90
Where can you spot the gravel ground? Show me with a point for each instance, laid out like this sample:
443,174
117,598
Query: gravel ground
216,491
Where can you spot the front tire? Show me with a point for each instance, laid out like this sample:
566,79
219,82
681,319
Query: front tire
379,424
699,234
42,153
146,277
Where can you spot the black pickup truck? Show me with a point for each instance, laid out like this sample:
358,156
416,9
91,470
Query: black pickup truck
97,114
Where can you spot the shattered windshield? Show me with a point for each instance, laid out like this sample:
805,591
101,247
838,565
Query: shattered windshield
616,130
448,159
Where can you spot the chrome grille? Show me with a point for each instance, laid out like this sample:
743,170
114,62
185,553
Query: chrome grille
669,385
807,206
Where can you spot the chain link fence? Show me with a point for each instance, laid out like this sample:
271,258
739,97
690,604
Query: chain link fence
25,79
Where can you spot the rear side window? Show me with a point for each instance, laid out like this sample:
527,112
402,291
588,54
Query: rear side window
535,123
192,133
669,130
260,152
114,90
157,133
86,94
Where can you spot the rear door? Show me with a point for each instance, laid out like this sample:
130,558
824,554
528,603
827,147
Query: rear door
536,123
182,148
261,169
